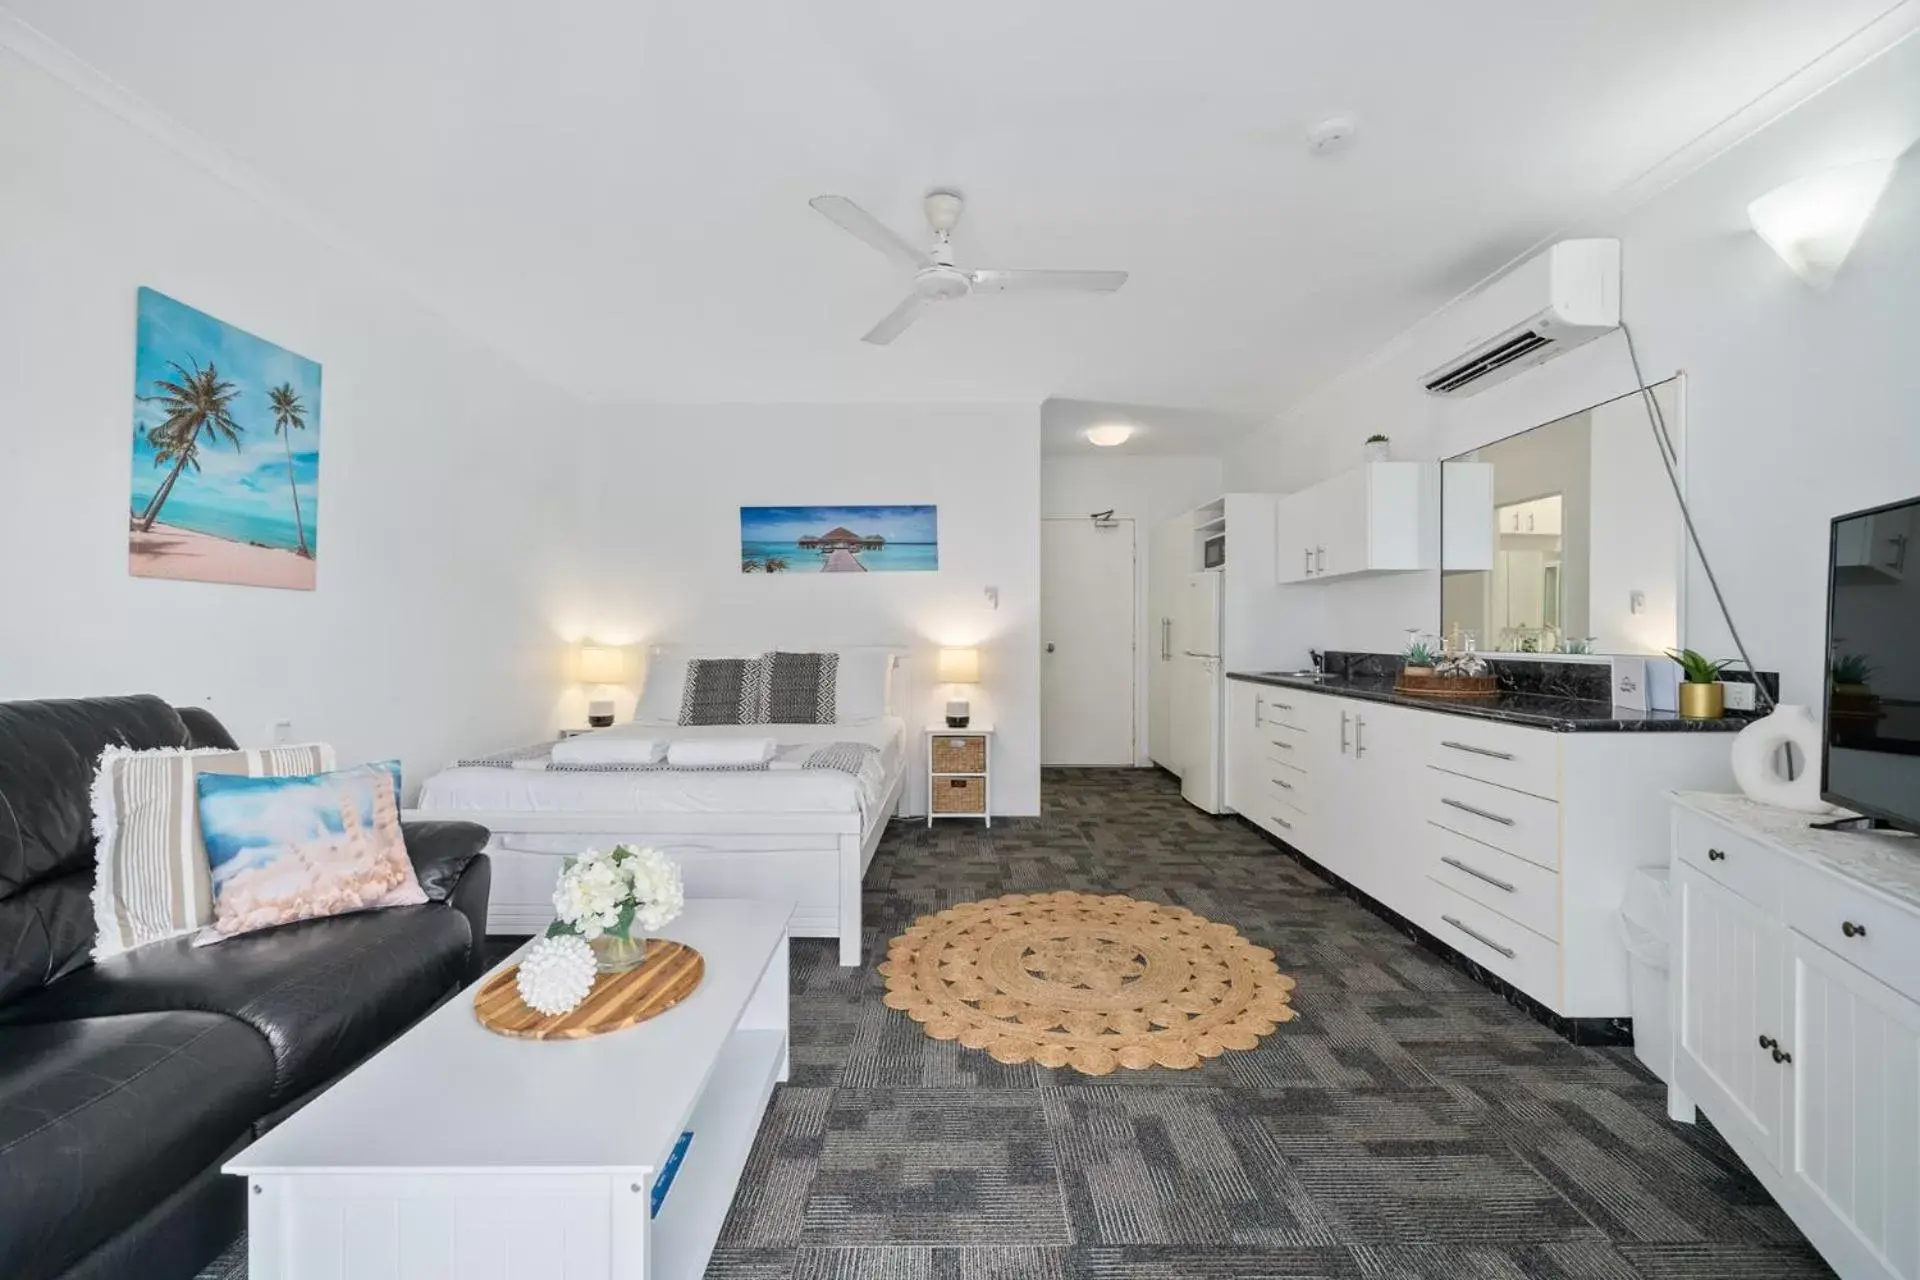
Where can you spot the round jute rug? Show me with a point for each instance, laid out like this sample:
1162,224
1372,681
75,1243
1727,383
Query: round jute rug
1085,981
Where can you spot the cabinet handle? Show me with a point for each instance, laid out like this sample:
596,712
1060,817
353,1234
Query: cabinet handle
1479,751
1286,786
1306,561
1481,938
1320,560
1478,813
1716,855
1852,930
1281,743
1283,822
1780,1056
1283,706
1768,1042
1343,732
1478,874
1359,747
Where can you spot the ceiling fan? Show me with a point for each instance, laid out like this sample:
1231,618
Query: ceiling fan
935,278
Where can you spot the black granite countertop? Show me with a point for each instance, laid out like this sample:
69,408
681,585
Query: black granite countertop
1534,710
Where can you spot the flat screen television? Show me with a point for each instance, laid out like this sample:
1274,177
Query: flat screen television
1870,760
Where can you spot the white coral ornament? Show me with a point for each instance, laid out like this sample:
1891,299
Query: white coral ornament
556,974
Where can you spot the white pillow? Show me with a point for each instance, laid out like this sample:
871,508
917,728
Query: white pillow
862,684
660,693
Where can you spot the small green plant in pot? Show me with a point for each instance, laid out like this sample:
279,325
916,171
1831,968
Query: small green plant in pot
1418,659
1851,673
1702,696
1379,448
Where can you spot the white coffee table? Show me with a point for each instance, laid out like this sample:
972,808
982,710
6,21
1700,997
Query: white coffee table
458,1154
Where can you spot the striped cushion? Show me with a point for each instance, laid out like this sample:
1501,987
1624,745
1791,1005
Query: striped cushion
151,877
801,688
724,691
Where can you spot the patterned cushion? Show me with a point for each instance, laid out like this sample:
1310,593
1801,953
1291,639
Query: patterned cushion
286,849
724,691
801,688
150,871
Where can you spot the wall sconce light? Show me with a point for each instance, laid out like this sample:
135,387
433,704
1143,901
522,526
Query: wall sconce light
598,664
1813,223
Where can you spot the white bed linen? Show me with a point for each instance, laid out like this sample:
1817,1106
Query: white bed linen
481,788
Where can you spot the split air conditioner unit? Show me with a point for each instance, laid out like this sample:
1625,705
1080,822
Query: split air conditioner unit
1555,301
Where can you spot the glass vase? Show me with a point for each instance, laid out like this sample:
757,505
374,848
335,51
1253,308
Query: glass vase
617,955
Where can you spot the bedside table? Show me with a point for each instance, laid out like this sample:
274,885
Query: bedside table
959,774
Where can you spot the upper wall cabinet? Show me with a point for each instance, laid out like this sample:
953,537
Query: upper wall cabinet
1380,518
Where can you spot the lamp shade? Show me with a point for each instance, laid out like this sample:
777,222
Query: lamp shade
1813,223
959,666
600,664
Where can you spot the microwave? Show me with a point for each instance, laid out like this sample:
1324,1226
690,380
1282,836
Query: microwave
1213,552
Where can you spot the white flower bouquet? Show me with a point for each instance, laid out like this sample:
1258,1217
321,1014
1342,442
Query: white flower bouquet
604,905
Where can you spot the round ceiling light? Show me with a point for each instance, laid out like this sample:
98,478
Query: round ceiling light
1110,434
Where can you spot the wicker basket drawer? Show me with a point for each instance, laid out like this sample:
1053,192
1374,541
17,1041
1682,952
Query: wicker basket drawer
958,753
959,795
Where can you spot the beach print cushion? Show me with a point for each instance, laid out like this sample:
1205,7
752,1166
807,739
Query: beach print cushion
801,688
724,691
150,862
287,849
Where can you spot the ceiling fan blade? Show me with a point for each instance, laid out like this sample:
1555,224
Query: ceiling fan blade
851,217
896,321
1072,281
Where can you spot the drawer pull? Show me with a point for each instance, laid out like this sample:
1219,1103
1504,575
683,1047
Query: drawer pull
1481,938
1478,813
1478,874
1283,822
1284,746
1479,751
1716,855
1852,930
1768,1042
1283,706
1283,784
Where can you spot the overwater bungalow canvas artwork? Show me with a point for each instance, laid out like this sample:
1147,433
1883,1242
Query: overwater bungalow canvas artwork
226,453
839,539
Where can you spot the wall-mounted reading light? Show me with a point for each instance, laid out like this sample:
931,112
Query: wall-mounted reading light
1813,223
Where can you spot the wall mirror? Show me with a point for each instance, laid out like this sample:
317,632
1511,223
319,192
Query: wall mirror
1566,538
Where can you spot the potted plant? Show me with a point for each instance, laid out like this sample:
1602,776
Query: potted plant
1417,660
1379,448
1702,696
1853,707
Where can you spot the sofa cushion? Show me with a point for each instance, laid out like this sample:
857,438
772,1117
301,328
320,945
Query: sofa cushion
324,993
101,1118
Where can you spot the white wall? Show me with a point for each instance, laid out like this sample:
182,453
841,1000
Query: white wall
1800,404
663,537
1636,537
1148,489
446,478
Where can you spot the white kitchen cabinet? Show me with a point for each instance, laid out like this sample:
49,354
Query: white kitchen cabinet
1730,1007
1383,517
1874,548
1798,1008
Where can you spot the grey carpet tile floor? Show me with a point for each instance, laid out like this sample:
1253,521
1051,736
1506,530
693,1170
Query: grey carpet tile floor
1408,1125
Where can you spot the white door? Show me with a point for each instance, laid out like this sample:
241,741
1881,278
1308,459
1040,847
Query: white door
1853,1147
1087,631
1167,568
1731,1009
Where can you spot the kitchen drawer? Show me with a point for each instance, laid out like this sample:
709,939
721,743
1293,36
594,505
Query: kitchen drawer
1522,891
1286,748
1278,818
1884,939
1494,942
1285,709
1751,870
1522,759
1512,821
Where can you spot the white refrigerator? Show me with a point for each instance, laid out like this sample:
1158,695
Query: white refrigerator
1199,694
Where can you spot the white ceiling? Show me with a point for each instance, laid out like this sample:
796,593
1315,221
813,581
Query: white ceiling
615,191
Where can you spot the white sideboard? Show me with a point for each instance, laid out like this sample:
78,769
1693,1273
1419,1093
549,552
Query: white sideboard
1796,998
1511,844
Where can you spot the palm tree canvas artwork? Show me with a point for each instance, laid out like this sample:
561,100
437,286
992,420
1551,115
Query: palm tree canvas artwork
839,539
226,453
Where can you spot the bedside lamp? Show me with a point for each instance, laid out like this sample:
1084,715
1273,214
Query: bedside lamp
600,665
957,667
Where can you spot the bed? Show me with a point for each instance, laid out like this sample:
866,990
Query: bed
799,834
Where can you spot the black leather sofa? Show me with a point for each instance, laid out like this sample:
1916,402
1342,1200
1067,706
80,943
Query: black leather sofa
125,1084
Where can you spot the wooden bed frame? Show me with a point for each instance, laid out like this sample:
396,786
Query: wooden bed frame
815,861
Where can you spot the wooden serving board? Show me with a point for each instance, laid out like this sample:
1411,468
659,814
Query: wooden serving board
667,976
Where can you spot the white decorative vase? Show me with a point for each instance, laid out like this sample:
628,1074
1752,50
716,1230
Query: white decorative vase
1759,756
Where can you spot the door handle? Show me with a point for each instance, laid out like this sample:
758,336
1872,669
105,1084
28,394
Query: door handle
1306,563
1166,639
1343,732
1478,813
1359,747
1320,560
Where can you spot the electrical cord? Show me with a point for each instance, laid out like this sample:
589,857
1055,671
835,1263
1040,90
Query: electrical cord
1663,441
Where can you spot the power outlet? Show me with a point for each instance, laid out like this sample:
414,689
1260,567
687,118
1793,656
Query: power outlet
280,732
1739,695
